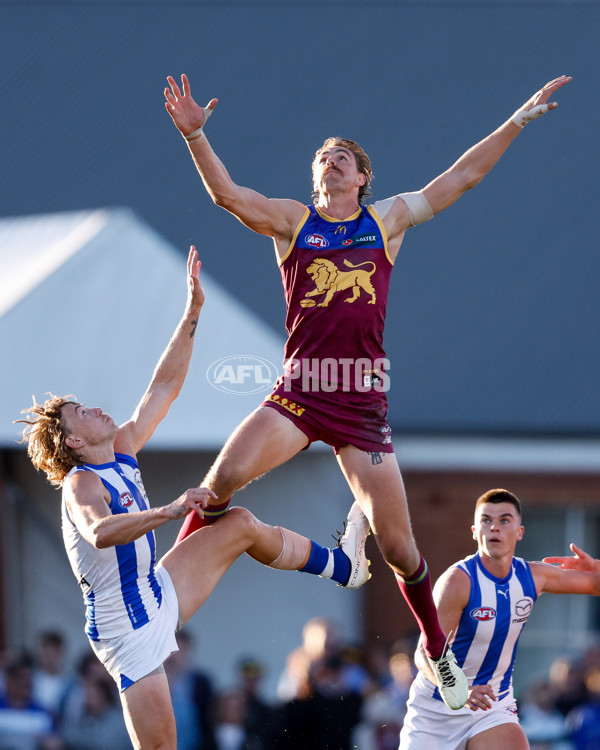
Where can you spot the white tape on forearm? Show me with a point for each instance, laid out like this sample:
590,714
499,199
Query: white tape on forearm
419,209
522,116
198,133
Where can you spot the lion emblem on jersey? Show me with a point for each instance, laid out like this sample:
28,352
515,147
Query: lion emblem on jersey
328,280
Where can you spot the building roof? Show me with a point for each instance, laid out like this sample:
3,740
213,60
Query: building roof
88,301
493,321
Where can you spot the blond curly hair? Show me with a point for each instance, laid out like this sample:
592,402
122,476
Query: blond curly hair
45,435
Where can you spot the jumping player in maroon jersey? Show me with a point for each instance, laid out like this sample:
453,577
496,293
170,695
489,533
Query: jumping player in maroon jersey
336,259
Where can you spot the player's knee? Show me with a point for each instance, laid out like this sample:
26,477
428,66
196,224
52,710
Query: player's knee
245,522
157,733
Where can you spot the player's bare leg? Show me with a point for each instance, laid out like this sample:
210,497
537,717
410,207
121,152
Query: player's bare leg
264,440
149,715
502,737
197,563
377,485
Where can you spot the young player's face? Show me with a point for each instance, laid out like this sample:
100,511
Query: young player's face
92,426
497,529
335,167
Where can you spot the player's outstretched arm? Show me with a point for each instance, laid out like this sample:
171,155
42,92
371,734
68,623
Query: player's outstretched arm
87,500
554,579
579,561
475,164
274,218
170,372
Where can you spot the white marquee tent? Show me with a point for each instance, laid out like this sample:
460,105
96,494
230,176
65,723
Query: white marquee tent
88,301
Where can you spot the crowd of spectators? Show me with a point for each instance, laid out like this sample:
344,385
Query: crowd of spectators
330,696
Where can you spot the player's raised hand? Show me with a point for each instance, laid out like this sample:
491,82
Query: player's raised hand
538,104
542,96
187,115
195,290
580,561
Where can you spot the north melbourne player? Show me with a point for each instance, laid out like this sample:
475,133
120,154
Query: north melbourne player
485,600
134,604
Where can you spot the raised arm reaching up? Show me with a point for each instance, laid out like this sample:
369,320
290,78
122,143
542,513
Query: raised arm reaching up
272,217
474,164
170,372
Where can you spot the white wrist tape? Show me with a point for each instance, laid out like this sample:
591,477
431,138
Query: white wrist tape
198,133
419,209
522,116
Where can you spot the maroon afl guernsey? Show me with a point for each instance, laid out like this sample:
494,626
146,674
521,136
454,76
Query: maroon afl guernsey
336,277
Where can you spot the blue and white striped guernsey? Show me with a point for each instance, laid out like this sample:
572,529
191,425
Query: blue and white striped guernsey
119,587
498,609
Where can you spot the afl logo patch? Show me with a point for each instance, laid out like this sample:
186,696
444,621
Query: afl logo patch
483,614
316,240
125,499
347,242
523,607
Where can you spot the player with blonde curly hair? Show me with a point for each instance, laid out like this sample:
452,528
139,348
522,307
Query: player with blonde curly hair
45,438
134,603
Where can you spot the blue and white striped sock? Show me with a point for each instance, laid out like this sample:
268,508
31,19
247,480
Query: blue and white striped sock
327,563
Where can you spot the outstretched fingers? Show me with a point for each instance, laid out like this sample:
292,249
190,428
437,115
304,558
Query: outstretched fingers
185,83
579,561
193,264
174,87
546,92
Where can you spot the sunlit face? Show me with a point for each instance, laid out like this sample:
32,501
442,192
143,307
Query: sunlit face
87,426
336,166
497,529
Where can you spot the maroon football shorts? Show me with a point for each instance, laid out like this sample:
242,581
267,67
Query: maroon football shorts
338,418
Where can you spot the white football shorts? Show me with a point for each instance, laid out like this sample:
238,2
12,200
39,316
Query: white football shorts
134,655
430,725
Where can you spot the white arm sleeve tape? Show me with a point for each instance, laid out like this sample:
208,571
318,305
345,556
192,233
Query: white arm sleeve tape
382,207
417,204
522,116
